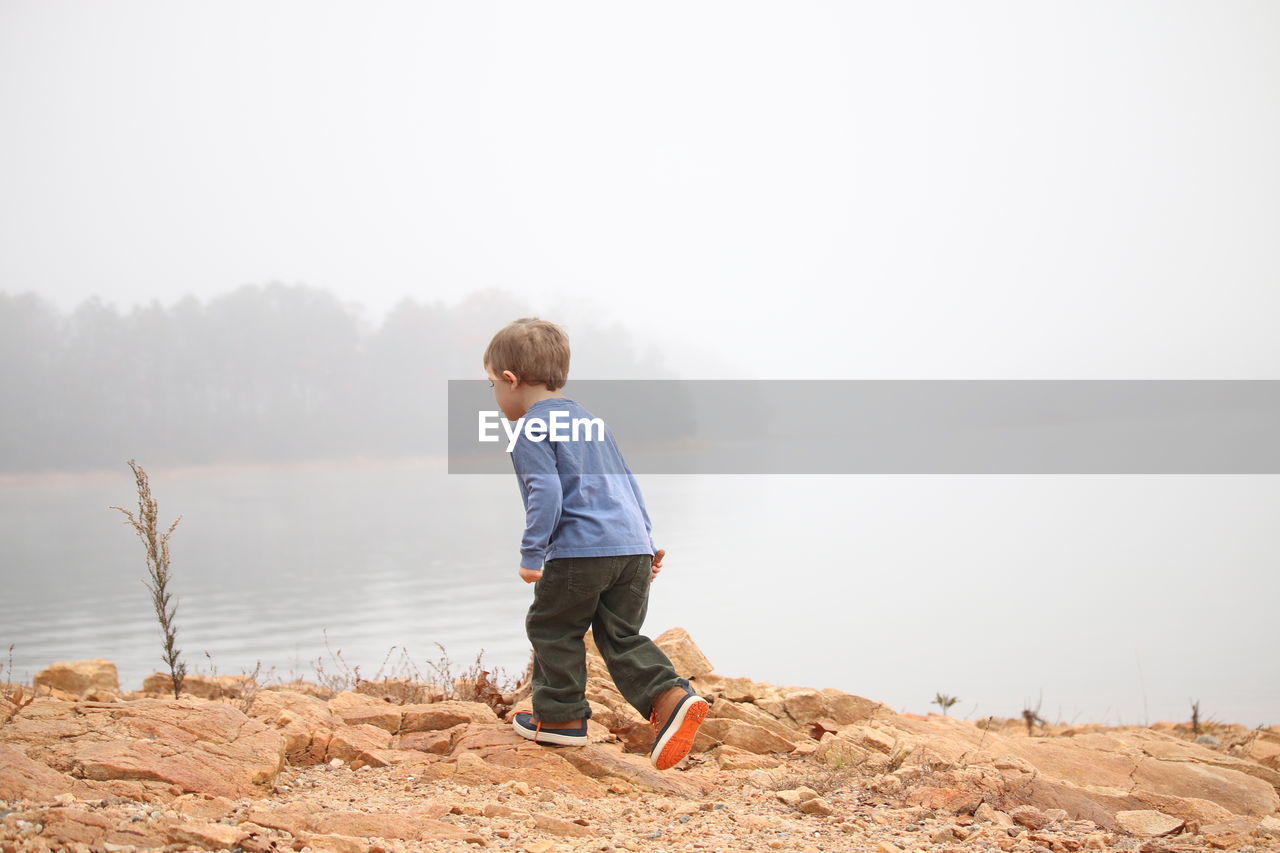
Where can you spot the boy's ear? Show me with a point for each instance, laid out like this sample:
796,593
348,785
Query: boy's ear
507,374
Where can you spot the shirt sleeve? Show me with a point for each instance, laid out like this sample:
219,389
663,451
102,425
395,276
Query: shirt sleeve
539,479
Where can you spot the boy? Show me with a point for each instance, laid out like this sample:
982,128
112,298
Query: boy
588,550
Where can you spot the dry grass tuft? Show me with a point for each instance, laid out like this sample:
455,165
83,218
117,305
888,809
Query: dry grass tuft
837,774
15,695
157,550
404,683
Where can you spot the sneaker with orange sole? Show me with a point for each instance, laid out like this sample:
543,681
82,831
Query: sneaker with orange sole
675,718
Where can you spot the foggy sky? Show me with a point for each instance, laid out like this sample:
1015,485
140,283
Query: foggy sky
784,190
804,190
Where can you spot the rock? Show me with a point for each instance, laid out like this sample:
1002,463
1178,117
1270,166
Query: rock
805,706
80,677
160,685
874,738
471,769
558,826
63,826
794,797
392,758
1208,740
294,818
1263,747
1094,774
304,687
711,686
804,749
194,745
300,818
732,758
408,825
946,835
356,743
999,818
356,709
203,806
439,742
332,843
1171,750
774,706
21,778
437,716
609,718
945,799
505,757
500,810
402,691
1030,817
599,761
685,656
1147,823
212,836
891,785
742,735
1229,833
841,750
756,717
304,720
817,806
761,779
1006,762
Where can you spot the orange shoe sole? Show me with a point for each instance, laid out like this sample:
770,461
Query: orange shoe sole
679,743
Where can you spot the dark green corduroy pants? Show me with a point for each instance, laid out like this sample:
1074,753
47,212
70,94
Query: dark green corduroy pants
609,595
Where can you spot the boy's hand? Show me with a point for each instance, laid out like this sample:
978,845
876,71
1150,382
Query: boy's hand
530,575
657,564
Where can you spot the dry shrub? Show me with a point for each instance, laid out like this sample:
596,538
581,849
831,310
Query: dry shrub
404,683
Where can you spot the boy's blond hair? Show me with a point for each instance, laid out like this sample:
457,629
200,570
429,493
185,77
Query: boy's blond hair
536,351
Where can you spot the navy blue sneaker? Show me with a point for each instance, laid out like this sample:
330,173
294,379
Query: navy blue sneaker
527,727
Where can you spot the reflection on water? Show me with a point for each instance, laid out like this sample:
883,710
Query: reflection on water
266,562
994,589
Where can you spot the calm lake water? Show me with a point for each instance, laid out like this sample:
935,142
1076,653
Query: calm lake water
1103,599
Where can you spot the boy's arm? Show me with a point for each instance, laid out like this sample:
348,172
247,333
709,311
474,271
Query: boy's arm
535,464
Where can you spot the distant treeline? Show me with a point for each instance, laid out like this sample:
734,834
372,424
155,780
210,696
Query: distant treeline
265,372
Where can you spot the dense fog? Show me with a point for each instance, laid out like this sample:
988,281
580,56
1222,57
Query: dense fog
264,372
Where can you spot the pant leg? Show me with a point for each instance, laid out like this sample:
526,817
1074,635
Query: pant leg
641,671
564,603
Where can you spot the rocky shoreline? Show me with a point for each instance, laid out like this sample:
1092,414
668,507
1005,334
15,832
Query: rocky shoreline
393,766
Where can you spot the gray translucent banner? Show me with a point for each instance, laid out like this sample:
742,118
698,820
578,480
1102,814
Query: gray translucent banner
926,426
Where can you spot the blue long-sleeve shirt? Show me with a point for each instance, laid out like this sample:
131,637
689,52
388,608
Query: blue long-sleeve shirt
580,498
